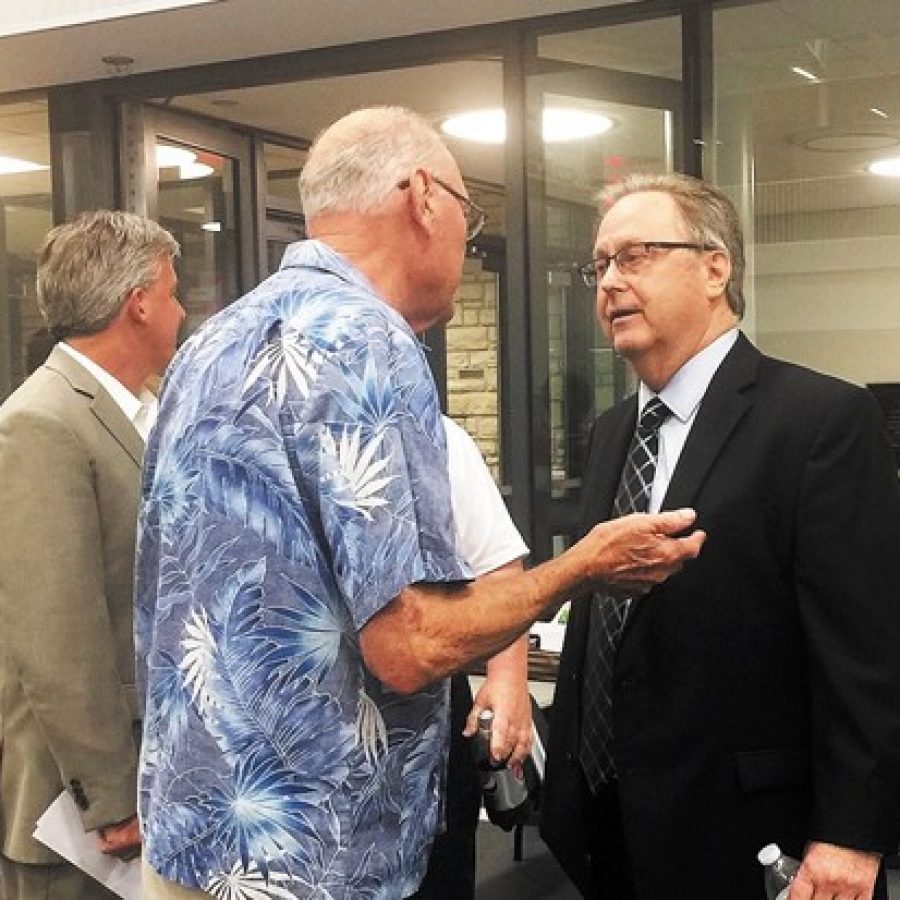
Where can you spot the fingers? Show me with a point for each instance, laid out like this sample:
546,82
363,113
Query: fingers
471,726
674,520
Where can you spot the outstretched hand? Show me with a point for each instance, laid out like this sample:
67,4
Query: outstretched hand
635,552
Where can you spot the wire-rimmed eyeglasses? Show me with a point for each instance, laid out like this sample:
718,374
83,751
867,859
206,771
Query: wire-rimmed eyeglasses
474,214
630,258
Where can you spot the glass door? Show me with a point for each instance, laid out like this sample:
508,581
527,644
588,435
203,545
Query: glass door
194,177
602,104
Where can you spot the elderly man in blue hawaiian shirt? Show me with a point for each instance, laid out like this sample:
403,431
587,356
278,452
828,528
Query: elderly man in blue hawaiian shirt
299,595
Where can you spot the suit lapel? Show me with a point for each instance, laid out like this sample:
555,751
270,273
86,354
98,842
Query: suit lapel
609,445
102,405
118,425
726,402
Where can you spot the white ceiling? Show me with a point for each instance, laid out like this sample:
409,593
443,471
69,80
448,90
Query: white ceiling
237,29
854,46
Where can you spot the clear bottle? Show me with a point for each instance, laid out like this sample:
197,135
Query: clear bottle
779,871
505,794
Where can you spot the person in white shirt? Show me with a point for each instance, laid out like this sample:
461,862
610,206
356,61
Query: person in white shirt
491,544
71,443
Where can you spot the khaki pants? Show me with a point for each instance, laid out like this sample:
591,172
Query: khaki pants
23,881
155,887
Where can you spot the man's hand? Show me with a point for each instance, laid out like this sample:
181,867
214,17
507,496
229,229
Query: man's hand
505,691
122,840
635,552
830,872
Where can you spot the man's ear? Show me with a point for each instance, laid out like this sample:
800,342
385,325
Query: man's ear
718,271
421,199
135,306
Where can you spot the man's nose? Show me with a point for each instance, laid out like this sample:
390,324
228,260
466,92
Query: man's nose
611,280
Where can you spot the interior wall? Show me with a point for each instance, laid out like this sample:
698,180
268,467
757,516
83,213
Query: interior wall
832,305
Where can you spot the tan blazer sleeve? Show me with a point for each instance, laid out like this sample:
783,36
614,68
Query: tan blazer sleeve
64,631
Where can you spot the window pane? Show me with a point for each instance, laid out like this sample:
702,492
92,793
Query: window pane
629,77
26,215
807,99
196,203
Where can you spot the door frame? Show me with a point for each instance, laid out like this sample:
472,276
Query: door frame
553,516
141,124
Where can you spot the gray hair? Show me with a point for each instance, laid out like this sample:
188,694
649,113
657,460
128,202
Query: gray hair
708,214
87,268
355,164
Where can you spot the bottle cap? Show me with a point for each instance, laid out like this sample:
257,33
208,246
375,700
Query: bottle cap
769,854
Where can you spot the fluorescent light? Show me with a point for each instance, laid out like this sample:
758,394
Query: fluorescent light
805,73
484,126
488,126
9,165
573,124
211,226
169,157
194,170
889,167
879,112
40,15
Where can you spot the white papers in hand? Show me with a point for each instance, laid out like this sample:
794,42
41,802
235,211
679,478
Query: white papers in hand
60,829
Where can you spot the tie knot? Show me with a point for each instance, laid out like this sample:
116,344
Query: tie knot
654,414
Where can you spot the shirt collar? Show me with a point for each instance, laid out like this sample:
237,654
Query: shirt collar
687,387
124,399
312,254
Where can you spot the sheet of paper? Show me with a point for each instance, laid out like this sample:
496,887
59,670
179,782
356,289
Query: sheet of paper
60,829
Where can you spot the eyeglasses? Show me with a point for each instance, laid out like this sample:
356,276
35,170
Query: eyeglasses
631,258
475,215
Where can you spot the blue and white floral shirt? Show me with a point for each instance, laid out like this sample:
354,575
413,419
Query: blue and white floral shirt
295,483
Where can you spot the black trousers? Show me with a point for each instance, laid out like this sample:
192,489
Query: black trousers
451,866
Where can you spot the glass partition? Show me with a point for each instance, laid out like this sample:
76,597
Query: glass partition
808,144
197,204
26,215
607,102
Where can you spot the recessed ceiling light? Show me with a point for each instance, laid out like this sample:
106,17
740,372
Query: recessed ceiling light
488,126
169,157
805,73
9,165
573,124
194,170
889,167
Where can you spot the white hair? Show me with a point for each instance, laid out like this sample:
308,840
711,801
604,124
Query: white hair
355,163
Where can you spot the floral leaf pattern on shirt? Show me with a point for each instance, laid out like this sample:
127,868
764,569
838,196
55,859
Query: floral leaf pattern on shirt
294,485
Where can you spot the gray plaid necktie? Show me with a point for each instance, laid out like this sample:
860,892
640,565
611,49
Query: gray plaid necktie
608,612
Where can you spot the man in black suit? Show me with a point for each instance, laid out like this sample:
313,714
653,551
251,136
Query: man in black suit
755,695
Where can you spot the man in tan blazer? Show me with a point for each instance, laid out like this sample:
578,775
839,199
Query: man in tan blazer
71,442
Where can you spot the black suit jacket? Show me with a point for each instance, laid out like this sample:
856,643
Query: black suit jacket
757,691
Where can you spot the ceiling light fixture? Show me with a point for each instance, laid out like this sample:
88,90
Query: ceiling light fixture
488,126
889,167
169,157
9,165
805,73
41,15
194,170
879,112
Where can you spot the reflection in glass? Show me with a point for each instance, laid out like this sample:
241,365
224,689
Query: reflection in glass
823,231
26,215
197,204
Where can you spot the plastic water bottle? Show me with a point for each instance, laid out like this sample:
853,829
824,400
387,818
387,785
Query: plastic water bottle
505,794
779,871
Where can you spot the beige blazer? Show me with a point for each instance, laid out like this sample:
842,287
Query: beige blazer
70,479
